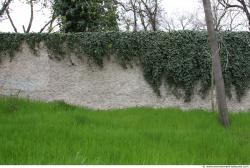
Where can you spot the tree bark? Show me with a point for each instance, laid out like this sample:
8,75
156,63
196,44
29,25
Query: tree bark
212,89
219,81
31,18
11,21
4,7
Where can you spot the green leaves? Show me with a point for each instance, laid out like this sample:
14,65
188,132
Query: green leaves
87,15
179,59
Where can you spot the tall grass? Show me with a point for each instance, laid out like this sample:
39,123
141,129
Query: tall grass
33,132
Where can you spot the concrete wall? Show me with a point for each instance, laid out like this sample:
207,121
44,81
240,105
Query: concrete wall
39,77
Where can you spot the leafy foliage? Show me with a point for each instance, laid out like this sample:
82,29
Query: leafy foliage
179,59
88,15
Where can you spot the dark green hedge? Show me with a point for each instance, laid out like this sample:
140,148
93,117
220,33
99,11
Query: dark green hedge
180,59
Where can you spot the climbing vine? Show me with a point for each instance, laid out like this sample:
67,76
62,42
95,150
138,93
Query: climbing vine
178,59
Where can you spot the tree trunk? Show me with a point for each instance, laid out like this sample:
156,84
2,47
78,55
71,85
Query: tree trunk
219,82
212,89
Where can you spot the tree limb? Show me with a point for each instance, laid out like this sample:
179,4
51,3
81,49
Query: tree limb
228,5
11,21
4,7
243,6
50,22
31,16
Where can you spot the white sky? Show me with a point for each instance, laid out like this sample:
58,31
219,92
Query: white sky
21,13
180,5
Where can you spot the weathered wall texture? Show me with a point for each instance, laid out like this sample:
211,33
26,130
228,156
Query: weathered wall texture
39,77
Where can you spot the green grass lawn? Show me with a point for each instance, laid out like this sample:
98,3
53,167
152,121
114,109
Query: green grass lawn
57,133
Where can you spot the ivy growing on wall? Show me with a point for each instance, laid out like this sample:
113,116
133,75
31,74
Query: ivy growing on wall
179,59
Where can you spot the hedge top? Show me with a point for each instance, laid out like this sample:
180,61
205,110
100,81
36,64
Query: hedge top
180,59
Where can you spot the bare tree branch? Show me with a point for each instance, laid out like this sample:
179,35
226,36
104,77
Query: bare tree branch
31,18
232,17
130,6
242,5
151,8
4,7
53,27
219,13
50,22
116,2
11,21
226,4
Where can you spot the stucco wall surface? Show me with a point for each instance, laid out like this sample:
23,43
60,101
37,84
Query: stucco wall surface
39,77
